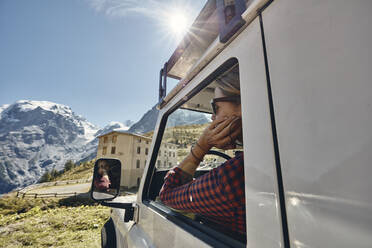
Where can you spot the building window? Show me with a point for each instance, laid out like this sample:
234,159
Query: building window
147,151
113,149
170,154
170,164
138,163
104,150
138,181
105,139
159,163
147,142
138,150
174,154
165,163
145,163
114,138
139,140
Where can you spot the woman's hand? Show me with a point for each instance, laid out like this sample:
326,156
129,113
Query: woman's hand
221,133
217,134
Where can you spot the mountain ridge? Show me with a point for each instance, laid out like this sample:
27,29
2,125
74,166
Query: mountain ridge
38,136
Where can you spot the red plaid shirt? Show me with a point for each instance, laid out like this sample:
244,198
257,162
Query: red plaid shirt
218,195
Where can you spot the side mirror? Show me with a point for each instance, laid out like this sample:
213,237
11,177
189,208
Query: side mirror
106,179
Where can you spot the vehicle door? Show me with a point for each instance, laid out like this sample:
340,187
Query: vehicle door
161,226
319,58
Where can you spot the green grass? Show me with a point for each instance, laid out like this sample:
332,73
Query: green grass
51,222
82,171
60,227
69,222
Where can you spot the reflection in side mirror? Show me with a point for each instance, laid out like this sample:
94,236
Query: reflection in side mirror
106,179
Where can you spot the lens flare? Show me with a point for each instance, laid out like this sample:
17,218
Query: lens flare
175,20
178,23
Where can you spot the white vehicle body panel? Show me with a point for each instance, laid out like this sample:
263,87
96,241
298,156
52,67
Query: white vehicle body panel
320,60
262,205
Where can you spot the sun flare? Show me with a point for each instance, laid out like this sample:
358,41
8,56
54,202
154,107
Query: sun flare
174,19
178,23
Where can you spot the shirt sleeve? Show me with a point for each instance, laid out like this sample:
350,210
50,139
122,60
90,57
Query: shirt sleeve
206,194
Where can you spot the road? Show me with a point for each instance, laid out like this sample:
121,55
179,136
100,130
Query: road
68,188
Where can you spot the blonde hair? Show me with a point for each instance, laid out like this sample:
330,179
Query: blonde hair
102,163
229,82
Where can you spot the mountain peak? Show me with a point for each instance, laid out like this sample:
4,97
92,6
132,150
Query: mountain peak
112,126
36,136
117,126
3,107
27,105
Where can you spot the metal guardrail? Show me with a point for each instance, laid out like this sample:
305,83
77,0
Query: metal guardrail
46,195
23,192
56,183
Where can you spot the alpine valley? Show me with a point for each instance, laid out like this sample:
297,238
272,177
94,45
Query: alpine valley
38,136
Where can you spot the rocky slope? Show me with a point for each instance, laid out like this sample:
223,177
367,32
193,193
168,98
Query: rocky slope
36,136
180,117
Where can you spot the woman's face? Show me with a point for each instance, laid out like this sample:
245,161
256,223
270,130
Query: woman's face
225,109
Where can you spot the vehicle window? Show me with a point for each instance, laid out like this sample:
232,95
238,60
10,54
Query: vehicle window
182,131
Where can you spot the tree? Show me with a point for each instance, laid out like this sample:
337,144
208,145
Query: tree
54,173
69,165
46,177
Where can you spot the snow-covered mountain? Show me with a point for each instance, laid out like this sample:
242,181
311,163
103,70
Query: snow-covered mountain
146,123
112,126
178,118
36,136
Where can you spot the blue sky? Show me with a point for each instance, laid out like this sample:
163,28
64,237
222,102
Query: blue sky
100,57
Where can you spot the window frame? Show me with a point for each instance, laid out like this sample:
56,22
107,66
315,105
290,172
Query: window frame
202,232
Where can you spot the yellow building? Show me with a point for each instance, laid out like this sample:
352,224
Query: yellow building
132,150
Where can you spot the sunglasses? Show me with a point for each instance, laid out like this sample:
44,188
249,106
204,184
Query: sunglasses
223,99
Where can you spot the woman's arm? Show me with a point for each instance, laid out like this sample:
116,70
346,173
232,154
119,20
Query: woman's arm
207,193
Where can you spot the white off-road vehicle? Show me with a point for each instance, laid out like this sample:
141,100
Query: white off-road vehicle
305,72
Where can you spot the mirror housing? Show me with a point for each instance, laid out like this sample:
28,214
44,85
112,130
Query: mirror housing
106,186
106,179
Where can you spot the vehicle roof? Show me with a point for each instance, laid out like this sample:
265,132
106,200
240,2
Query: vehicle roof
201,44
200,35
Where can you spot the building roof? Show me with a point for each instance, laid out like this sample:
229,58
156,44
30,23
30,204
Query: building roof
125,132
